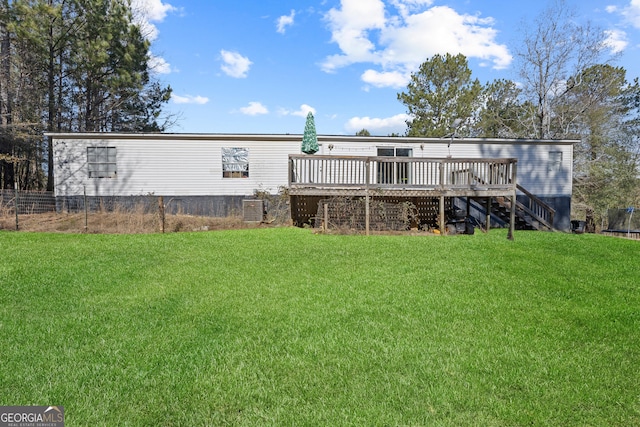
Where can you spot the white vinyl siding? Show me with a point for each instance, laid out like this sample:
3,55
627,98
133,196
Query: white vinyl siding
191,165
176,167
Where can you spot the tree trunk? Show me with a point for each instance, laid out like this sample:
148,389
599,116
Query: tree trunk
51,109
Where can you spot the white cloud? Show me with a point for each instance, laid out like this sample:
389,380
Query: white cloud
631,13
442,30
189,99
285,21
400,35
616,40
350,27
254,109
393,79
145,12
159,65
376,126
301,112
235,65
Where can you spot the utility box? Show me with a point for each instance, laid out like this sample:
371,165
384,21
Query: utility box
253,210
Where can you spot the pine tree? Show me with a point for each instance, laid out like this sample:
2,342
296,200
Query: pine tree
440,92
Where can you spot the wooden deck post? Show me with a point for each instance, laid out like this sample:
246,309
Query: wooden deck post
488,224
326,216
366,213
512,217
367,169
441,222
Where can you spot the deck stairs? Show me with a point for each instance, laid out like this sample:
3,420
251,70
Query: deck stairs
531,212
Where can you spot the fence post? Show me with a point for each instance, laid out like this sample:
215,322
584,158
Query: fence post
161,212
86,212
15,199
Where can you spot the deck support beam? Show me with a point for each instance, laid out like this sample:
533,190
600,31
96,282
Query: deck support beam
441,219
488,223
512,216
326,216
512,221
366,213
367,197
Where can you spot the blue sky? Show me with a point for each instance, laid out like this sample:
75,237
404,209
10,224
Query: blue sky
258,66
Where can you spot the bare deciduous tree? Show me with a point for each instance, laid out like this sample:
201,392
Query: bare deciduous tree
555,47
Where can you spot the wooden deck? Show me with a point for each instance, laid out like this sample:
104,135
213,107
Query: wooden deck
330,176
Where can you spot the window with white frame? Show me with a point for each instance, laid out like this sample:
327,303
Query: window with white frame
101,162
555,161
235,162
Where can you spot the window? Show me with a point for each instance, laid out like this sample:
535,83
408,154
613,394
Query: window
101,162
235,162
394,172
555,161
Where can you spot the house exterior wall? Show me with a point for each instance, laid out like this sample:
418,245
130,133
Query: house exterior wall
169,165
189,166
537,171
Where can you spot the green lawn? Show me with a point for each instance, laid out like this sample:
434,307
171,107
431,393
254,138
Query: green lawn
286,327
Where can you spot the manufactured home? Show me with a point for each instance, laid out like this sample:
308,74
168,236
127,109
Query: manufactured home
212,174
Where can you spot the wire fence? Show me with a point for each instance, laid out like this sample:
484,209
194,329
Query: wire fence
15,203
28,202
42,211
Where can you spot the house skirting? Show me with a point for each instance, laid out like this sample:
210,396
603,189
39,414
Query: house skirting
213,206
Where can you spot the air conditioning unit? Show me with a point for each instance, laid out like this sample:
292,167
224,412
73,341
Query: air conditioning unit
252,210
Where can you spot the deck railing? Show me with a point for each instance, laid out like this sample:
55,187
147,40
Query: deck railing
538,209
400,172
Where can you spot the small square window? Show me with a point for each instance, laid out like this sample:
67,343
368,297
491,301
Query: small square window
555,161
101,162
235,162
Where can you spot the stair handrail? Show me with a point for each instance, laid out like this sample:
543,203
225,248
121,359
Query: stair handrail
536,206
522,211
522,208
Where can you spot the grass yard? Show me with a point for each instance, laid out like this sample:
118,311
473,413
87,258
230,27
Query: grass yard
286,327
